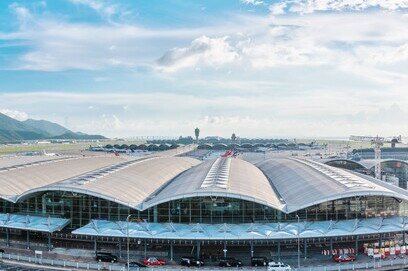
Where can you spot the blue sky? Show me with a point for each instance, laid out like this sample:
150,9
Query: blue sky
299,68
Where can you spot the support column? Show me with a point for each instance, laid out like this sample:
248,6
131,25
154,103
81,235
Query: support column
403,237
120,247
8,237
198,249
171,250
145,248
356,248
155,214
225,249
95,244
305,244
331,245
279,250
380,240
28,239
49,241
252,248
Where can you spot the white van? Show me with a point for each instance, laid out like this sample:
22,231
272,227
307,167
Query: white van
278,266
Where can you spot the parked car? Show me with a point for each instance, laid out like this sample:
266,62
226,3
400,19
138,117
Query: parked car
154,261
278,266
106,257
259,261
229,262
344,258
190,261
135,265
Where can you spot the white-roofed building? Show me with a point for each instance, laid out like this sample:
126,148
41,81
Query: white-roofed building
169,197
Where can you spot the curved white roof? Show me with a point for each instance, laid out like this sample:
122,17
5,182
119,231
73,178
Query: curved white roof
224,177
128,183
286,184
303,183
24,177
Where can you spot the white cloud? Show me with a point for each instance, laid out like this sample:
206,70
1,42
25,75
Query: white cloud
202,51
383,54
15,114
310,6
278,8
23,14
101,7
252,2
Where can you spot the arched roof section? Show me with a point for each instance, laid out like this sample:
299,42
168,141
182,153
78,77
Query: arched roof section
366,163
345,163
220,146
14,182
370,163
247,145
304,183
222,177
128,183
205,146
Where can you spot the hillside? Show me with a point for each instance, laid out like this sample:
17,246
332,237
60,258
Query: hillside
51,128
12,130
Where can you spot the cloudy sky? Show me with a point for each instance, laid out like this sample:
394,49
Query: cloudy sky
259,68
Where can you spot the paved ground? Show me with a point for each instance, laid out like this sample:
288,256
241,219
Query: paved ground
17,267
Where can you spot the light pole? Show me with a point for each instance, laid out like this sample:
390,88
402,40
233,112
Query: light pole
127,241
298,240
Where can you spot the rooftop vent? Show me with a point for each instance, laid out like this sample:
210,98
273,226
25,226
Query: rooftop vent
341,176
218,175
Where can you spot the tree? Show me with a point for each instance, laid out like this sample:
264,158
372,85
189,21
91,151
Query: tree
233,137
197,133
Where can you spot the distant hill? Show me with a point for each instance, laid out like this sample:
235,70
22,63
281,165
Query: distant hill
72,135
49,127
13,130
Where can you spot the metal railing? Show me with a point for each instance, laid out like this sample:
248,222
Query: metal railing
370,265
374,264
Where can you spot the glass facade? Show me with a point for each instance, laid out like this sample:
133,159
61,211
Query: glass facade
82,208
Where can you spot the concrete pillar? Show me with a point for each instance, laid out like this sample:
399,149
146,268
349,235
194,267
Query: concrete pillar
331,245
8,237
120,247
43,207
198,249
380,240
28,239
171,250
403,237
305,247
95,244
145,248
356,248
252,248
49,241
225,249
279,250
155,214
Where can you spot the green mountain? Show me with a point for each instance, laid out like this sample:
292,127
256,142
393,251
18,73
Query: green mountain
12,130
49,127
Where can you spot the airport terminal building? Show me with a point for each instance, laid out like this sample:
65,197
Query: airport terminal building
220,206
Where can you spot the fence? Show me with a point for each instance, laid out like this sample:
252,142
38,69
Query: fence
118,267
375,263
